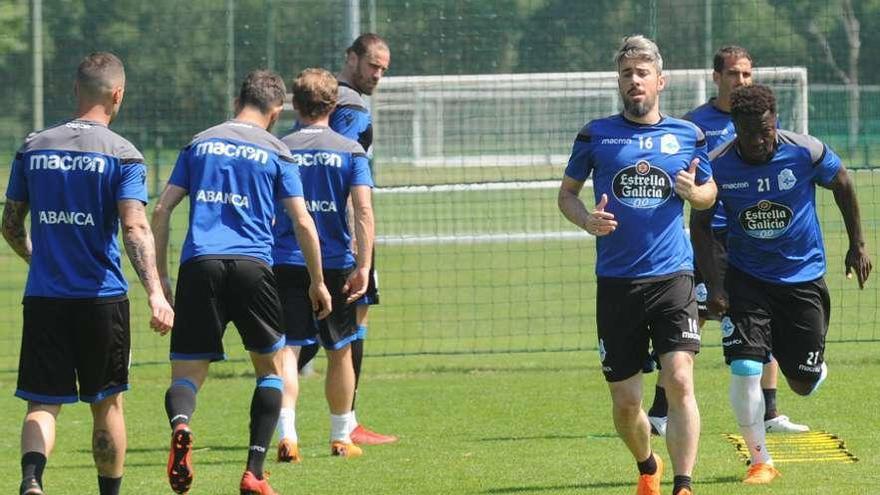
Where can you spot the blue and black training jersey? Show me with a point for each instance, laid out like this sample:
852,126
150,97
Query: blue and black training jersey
773,232
73,175
635,165
352,118
234,173
329,165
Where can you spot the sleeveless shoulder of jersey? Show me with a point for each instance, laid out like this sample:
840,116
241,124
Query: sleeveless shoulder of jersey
247,133
350,98
85,136
722,150
816,148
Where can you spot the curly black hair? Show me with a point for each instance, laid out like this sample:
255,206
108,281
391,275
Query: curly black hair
754,100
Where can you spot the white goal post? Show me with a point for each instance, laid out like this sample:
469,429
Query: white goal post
531,119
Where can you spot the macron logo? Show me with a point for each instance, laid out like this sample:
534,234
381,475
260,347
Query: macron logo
232,151
67,163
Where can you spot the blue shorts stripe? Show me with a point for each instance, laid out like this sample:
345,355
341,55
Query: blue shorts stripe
300,342
361,333
46,399
91,399
272,348
344,342
202,356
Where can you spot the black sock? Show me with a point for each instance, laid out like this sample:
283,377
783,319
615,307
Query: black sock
306,354
109,486
659,408
265,408
680,482
769,403
648,466
180,402
357,357
32,466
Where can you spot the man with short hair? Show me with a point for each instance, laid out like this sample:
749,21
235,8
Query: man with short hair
333,170
773,296
732,68
78,180
366,61
233,173
644,166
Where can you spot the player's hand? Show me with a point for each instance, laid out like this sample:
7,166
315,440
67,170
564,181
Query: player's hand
718,303
600,222
685,181
166,289
356,284
162,318
320,297
858,262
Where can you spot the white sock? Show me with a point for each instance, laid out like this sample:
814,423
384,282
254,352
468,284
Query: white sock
339,427
747,401
287,424
353,422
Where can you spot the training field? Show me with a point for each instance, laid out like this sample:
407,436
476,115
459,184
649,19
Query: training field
479,424
474,418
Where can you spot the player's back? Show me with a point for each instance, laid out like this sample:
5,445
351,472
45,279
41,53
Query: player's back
233,173
73,175
329,165
635,165
774,231
352,118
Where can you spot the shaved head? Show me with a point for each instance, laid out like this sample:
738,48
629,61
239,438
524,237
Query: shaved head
98,75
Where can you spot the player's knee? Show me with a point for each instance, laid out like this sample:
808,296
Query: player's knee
809,384
746,367
679,383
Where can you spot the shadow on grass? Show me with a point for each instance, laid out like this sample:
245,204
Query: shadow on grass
600,484
164,449
549,437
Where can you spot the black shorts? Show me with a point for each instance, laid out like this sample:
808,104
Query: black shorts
701,288
630,315
211,292
789,321
371,296
66,341
300,325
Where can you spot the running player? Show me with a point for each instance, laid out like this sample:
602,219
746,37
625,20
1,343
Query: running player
333,170
644,165
77,180
233,173
732,68
773,296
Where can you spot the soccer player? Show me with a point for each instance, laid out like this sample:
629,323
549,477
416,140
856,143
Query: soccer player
366,61
333,169
732,68
644,166
233,173
78,180
773,296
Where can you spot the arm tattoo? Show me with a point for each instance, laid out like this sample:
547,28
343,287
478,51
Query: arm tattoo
141,252
140,246
13,228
